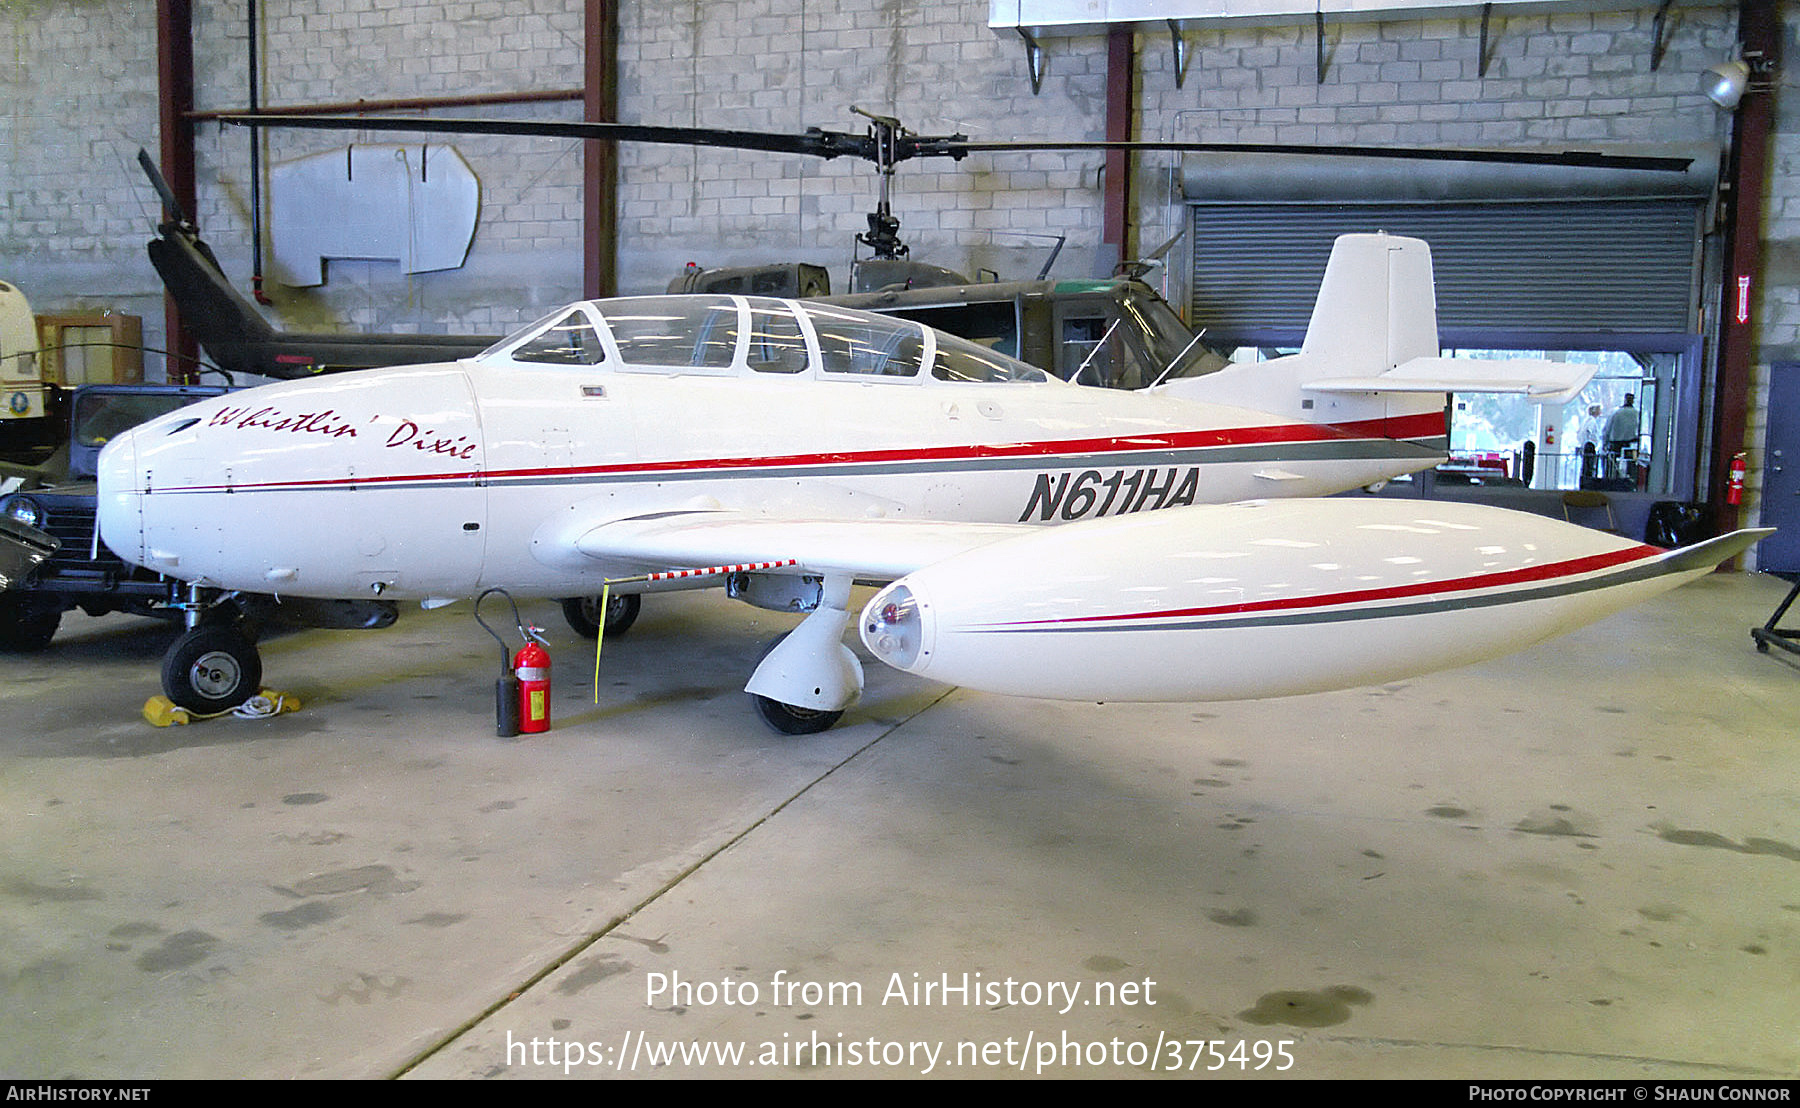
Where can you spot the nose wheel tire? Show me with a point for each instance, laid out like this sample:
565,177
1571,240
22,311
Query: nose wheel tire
211,669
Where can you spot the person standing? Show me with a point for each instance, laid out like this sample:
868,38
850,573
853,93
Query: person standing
1622,434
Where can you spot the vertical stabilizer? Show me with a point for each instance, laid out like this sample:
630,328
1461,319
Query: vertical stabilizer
1377,308
1370,361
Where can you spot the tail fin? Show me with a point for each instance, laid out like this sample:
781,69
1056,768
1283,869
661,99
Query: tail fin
1376,310
223,321
1395,348
240,341
1377,307
1371,342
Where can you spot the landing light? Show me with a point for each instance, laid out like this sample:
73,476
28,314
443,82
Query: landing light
891,626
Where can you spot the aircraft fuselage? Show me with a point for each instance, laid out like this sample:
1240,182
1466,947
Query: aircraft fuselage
442,480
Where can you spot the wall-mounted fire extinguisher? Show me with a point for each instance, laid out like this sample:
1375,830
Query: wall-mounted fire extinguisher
531,665
1734,485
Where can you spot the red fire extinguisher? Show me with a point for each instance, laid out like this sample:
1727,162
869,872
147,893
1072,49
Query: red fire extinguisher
532,667
1734,485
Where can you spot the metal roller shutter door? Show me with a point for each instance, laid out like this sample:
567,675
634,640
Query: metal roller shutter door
1520,266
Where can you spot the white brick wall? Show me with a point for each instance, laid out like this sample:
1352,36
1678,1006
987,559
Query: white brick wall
78,84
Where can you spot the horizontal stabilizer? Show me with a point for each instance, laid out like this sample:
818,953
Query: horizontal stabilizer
1547,382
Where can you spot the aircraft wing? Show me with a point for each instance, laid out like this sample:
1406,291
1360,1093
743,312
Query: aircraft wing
869,549
1550,382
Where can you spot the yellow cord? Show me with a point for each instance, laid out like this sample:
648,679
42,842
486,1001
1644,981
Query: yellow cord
600,635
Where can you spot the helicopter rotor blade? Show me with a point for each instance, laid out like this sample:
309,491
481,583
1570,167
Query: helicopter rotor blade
892,144
817,143
1584,159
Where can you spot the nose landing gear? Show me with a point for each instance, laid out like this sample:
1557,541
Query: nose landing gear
214,665
212,668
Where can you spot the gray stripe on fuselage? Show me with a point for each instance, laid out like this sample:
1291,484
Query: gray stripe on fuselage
1335,450
1654,568
1212,455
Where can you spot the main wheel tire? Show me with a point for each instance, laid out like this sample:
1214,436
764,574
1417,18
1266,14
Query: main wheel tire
23,629
211,669
790,719
583,613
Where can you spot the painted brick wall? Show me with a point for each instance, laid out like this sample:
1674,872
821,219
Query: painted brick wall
77,99
85,79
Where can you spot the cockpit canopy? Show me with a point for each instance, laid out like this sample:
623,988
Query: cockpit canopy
732,335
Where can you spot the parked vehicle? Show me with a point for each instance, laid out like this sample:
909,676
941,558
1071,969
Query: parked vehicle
83,573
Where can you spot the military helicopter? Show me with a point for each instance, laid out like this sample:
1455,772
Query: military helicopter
1115,332
1055,324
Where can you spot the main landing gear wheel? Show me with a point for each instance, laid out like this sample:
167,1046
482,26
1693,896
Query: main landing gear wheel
790,719
211,669
583,613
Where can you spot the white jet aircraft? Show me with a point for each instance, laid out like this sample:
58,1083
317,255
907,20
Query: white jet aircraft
1034,537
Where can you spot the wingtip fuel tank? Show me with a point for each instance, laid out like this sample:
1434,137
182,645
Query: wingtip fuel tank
1261,599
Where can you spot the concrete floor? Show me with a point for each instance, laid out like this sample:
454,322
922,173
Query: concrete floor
1581,861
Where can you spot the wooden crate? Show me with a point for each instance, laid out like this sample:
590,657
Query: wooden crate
91,348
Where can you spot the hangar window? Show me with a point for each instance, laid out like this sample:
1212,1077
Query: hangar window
1499,439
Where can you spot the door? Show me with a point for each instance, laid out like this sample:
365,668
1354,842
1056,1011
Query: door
1780,552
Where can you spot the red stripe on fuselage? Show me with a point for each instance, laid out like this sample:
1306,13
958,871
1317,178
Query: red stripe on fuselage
1573,567
1174,440
1423,426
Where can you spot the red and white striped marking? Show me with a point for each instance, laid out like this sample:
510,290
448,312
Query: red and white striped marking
714,571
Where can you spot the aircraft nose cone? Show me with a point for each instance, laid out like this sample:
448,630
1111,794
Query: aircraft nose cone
120,516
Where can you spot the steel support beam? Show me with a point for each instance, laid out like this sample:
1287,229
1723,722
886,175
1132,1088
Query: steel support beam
1759,36
600,160
1121,109
175,100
